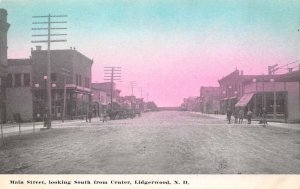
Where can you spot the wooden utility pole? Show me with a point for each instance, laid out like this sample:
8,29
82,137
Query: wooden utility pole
112,74
49,40
132,85
66,73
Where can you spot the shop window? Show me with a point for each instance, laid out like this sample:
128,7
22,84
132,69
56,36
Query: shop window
76,79
26,79
79,78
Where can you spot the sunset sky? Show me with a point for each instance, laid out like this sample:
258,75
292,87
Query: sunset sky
169,47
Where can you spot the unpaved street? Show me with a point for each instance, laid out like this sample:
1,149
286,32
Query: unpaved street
157,142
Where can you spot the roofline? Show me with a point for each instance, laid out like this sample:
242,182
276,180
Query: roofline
72,50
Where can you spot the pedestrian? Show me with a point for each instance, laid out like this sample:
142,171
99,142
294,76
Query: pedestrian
264,117
235,114
229,113
104,116
241,116
90,115
249,116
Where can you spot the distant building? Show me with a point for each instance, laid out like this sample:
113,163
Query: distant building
191,104
131,101
100,101
210,99
78,84
4,26
111,93
140,104
151,106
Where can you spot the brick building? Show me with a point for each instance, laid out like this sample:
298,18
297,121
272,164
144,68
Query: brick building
18,89
232,88
4,26
279,94
78,84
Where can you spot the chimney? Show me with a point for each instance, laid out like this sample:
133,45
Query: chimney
38,47
290,70
242,72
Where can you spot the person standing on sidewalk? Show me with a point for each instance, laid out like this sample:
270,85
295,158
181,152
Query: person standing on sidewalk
264,117
236,115
241,116
249,116
229,113
90,115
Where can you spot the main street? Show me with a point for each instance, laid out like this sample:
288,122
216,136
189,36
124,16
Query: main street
158,142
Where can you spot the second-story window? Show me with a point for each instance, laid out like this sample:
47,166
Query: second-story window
17,80
76,79
79,78
9,80
87,82
26,79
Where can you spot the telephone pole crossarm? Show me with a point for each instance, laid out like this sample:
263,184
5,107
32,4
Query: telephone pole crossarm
112,74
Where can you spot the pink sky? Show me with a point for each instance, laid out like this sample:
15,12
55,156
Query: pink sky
170,48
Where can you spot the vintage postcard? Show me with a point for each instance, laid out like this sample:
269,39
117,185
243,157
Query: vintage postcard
149,93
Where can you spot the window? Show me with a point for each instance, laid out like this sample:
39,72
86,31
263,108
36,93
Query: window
53,77
17,80
79,78
26,79
9,80
87,82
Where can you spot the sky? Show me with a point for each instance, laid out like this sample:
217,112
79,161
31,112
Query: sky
170,48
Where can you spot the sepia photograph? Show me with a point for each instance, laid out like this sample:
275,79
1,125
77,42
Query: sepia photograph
171,87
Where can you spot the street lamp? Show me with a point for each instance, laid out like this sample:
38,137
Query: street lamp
45,79
36,85
230,93
274,98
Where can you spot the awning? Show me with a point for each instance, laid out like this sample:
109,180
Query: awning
244,100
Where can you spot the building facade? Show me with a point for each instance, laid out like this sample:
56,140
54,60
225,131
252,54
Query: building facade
100,101
18,90
70,72
278,94
192,103
210,100
69,69
232,88
112,94
4,26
